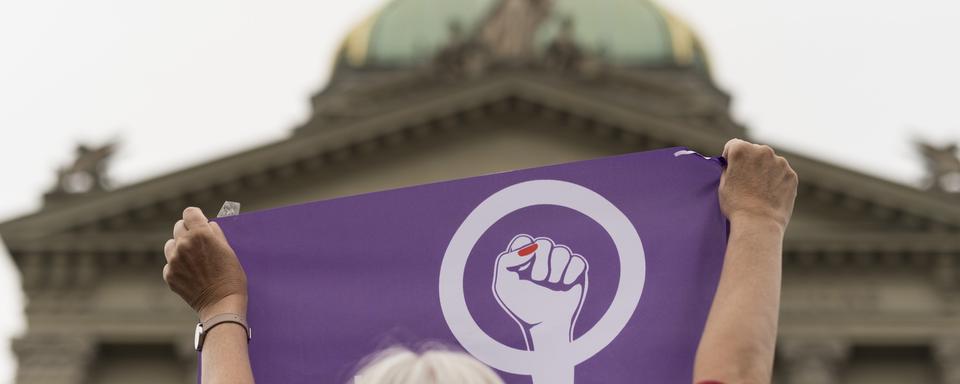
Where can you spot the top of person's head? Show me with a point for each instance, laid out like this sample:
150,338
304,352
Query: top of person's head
434,365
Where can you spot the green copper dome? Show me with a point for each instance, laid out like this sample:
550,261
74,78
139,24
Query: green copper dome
628,33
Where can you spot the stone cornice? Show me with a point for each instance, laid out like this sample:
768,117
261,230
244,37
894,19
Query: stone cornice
872,242
869,328
116,325
831,180
95,243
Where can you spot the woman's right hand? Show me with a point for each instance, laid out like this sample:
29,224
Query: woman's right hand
757,184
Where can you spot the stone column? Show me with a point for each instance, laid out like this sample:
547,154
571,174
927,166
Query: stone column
946,276
53,359
947,353
813,361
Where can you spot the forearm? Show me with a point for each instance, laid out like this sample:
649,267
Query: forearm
739,339
224,357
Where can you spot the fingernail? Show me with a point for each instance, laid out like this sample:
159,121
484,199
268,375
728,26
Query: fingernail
525,251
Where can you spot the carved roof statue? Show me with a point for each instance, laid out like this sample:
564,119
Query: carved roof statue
87,173
564,54
943,166
509,30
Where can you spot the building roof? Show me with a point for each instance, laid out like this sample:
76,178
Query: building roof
551,95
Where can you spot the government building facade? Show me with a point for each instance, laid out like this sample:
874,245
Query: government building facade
426,91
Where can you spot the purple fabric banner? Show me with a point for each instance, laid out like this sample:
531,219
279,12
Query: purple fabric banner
598,271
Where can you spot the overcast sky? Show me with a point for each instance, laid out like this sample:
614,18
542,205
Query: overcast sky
180,82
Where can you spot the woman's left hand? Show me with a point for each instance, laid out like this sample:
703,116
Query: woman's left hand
202,268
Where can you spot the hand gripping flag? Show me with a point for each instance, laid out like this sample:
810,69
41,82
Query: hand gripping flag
599,271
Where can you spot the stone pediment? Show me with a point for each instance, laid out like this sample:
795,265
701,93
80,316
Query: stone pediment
662,93
828,194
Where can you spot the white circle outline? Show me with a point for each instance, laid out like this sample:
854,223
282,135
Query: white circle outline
521,195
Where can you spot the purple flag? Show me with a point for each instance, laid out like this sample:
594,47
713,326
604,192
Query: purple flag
598,271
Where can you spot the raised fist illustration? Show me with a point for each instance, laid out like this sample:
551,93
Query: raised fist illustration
541,285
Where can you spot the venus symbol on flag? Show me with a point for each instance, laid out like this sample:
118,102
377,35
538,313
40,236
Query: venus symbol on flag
551,362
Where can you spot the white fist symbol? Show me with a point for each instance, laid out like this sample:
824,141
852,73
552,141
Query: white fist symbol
542,286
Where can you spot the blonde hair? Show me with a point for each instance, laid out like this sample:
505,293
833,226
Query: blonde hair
434,365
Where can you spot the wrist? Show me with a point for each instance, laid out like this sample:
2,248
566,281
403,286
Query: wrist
234,303
757,221
549,335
